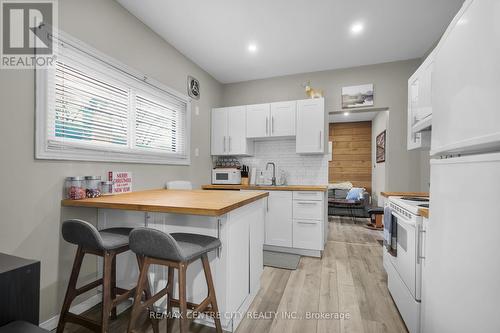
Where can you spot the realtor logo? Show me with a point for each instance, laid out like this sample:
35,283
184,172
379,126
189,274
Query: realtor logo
27,31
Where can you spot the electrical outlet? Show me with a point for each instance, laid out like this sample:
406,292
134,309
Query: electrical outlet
197,110
197,152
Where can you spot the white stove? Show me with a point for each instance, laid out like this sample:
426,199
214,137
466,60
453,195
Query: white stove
404,269
411,204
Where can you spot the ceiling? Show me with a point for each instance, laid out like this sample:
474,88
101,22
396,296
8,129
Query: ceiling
294,36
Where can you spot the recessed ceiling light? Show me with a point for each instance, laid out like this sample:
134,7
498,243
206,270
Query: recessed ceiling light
357,28
252,47
346,114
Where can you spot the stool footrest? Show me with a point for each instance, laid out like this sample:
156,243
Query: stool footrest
193,306
83,321
88,287
124,295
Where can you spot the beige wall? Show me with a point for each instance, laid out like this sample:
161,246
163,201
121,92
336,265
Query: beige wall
402,168
31,190
379,179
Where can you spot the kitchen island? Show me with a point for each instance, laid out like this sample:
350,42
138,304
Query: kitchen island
236,218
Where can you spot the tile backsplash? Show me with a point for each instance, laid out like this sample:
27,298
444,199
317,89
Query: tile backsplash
299,169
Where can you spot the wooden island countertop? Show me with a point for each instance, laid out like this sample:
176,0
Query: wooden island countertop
320,188
191,202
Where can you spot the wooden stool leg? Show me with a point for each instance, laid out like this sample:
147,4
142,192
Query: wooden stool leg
113,286
184,323
106,290
170,295
136,309
71,291
147,291
211,292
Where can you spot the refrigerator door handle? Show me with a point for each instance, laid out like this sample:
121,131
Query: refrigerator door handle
420,256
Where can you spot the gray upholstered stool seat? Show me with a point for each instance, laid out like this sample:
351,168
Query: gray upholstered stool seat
21,327
175,246
84,234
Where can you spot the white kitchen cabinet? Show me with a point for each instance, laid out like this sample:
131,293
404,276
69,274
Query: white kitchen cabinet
271,120
283,116
420,105
279,219
307,234
229,132
257,120
311,127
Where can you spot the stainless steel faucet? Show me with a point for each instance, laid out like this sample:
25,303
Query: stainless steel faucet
273,180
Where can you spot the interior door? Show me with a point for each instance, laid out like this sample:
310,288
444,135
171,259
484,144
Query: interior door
257,120
283,116
310,136
237,138
219,132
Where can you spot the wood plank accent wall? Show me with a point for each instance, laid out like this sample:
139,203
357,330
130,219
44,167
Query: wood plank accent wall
352,154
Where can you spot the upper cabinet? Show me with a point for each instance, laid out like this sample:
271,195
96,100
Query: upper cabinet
229,132
257,116
420,105
235,128
271,120
311,134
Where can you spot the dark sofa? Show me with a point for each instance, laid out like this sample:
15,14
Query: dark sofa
340,210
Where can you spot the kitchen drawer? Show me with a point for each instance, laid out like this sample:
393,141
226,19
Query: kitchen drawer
309,210
307,234
308,195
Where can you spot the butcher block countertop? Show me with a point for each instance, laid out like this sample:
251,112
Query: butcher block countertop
405,194
191,202
322,188
424,212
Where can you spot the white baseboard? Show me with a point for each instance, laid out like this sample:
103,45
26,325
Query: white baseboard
302,252
51,324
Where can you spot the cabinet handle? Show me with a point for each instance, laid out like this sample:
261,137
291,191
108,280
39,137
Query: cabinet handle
307,222
307,193
320,138
272,125
224,143
229,143
307,202
267,126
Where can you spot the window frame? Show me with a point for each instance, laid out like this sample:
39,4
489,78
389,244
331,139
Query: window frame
45,149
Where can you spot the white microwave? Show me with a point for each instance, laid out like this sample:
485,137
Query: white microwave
226,176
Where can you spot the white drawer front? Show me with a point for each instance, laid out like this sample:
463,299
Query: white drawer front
308,195
307,234
311,210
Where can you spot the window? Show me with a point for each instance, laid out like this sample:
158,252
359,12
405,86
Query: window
91,108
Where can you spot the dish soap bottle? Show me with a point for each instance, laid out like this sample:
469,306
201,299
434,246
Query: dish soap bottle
260,180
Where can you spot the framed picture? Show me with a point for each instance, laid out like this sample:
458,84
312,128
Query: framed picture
193,87
357,96
381,147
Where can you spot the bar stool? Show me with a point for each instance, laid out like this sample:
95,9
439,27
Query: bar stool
107,243
176,251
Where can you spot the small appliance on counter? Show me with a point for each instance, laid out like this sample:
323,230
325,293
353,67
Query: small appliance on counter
226,176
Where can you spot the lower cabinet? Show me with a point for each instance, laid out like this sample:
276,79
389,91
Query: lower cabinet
295,220
279,219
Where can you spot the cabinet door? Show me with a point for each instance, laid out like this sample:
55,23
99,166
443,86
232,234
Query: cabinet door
283,118
279,219
219,132
311,126
307,234
237,138
258,122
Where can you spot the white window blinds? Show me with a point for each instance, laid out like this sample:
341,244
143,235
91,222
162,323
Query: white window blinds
93,109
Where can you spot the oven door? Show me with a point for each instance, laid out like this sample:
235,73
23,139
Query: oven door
406,260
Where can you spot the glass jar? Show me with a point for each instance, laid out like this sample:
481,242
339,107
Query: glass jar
106,187
75,188
92,189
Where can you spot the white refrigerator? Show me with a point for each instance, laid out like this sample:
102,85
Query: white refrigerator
461,271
